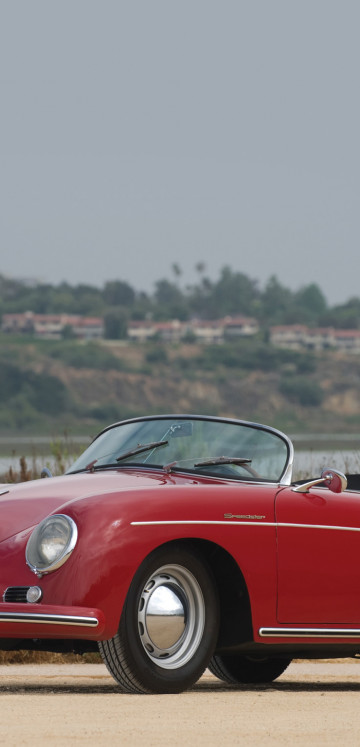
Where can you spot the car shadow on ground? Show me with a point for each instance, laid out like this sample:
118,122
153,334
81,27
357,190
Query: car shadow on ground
202,687
281,687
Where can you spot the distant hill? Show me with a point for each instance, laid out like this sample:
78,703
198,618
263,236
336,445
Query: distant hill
48,387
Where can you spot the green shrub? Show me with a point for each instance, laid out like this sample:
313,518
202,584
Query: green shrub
47,393
11,380
253,355
90,355
156,355
302,391
29,392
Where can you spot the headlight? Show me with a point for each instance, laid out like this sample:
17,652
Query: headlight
51,543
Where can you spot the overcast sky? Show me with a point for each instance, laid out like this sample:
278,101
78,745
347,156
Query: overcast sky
139,134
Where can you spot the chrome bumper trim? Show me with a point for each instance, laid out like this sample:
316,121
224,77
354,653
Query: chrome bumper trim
309,632
35,618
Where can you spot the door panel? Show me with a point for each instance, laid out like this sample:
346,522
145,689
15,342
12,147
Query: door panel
318,557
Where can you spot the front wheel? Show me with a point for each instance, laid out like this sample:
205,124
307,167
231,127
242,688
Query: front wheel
169,625
247,669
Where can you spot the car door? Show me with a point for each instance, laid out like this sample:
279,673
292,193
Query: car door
318,563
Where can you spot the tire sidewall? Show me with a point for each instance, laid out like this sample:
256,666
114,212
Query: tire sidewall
146,671
247,670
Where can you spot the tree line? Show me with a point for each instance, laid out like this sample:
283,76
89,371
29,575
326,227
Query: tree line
232,293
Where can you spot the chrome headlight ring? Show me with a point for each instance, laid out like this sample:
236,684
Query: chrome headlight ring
51,544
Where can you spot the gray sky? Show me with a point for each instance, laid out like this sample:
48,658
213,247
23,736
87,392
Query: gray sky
141,133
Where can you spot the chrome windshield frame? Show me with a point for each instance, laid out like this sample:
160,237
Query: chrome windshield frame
286,475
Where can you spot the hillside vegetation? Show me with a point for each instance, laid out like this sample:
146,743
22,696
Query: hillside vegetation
52,387
55,386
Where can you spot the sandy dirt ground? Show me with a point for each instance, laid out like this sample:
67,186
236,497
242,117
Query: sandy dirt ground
315,703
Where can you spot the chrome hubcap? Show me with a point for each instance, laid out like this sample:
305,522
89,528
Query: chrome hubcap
171,616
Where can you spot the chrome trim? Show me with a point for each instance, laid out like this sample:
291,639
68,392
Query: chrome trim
37,591
285,478
44,619
335,527
326,478
309,632
245,516
171,616
39,572
3,492
205,523
19,595
19,592
245,523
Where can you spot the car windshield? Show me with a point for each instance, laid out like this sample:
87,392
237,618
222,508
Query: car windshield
211,446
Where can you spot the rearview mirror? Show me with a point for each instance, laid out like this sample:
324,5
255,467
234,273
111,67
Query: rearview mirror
331,478
181,429
334,480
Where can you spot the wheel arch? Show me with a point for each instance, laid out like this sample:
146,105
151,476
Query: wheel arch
234,601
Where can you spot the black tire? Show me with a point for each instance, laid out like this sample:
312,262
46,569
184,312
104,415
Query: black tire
169,625
246,670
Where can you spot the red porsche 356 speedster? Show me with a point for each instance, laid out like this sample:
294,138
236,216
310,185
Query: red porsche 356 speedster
179,542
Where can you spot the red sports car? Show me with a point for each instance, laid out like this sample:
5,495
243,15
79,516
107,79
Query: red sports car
176,543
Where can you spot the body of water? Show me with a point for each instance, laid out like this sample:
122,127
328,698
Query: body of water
312,453
39,451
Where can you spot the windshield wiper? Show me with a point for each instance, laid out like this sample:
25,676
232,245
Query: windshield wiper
167,467
140,448
92,466
223,460
174,431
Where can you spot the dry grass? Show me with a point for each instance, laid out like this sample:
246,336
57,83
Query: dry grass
42,657
24,473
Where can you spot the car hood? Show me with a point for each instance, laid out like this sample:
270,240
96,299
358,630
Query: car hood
24,505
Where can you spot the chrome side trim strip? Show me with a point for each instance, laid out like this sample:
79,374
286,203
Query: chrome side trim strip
35,618
320,526
246,523
205,523
309,632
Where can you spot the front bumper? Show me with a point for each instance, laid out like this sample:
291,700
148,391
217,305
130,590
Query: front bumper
50,621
